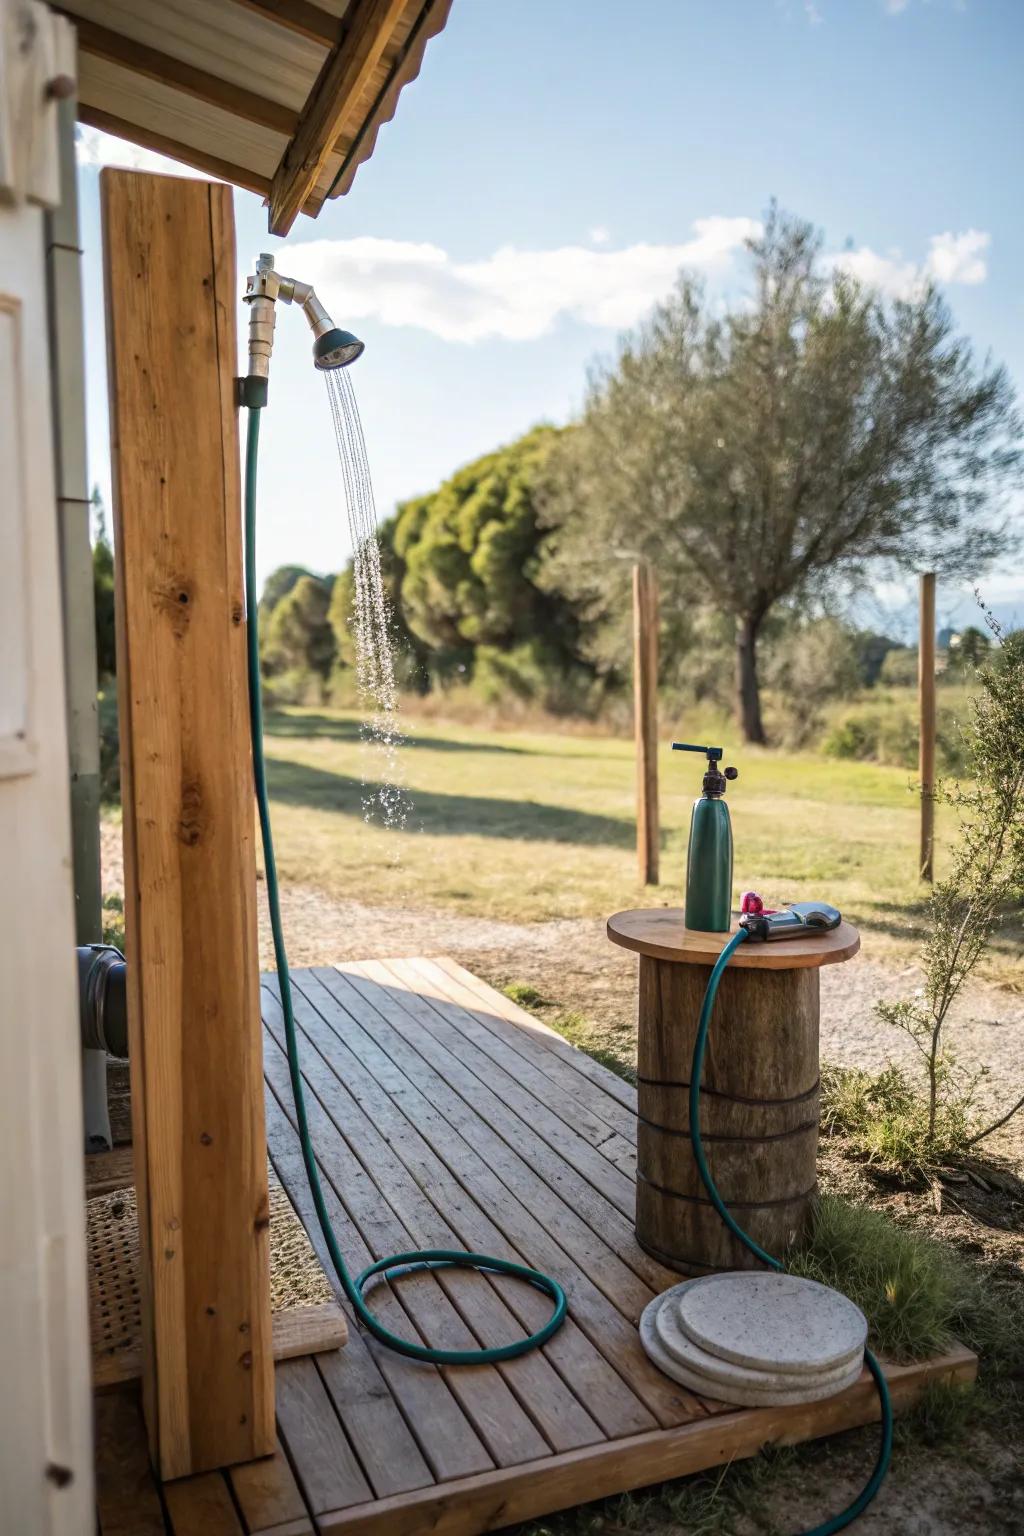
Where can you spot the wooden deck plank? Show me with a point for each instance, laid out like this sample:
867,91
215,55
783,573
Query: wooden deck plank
487,1006
325,1464
366,1388
558,1414
127,1498
107,1171
515,1494
579,1362
427,1034
463,1009
442,1431
266,1492
498,1417
602,1235
525,1208
576,1143
536,1033
202,1506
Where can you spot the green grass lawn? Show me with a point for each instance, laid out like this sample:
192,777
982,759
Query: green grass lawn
526,825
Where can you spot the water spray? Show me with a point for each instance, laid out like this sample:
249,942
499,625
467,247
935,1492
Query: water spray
333,350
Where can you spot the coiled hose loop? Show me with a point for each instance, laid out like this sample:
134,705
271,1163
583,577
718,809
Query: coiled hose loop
426,1258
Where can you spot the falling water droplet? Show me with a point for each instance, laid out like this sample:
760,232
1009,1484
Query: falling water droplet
386,799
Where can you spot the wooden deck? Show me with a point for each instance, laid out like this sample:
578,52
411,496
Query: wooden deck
445,1116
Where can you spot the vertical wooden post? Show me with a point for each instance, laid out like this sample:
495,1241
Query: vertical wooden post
645,711
190,880
926,701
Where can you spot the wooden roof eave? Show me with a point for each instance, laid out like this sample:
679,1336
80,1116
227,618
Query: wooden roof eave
294,137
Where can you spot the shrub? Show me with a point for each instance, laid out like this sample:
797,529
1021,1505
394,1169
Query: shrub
984,886
854,737
899,667
885,1117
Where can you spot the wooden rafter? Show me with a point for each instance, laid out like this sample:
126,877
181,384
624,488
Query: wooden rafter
338,91
161,144
302,17
150,62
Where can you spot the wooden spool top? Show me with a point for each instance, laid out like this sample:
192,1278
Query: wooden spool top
660,933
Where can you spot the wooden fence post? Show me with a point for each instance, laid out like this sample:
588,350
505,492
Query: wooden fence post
926,701
645,710
186,787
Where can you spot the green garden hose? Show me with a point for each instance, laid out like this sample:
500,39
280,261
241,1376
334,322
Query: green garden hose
871,1487
426,1258
447,1258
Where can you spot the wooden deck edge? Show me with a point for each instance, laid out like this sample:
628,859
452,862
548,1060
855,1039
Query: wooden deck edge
106,1172
297,1331
487,1501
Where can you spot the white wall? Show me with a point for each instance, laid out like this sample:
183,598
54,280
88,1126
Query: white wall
45,1408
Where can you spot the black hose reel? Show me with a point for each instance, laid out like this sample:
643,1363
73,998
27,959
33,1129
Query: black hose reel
102,999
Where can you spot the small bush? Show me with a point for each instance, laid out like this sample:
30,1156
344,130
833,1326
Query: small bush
885,1119
295,686
899,667
113,921
855,737
890,736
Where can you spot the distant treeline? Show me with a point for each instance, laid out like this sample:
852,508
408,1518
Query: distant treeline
767,461
473,576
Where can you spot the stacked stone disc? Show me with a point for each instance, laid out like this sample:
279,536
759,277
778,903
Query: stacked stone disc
756,1339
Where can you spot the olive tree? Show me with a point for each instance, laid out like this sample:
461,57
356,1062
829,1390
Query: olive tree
793,443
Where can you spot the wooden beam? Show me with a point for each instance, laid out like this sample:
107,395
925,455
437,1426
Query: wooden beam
302,17
224,170
338,90
926,705
314,1330
190,879
154,65
510,1495
645,720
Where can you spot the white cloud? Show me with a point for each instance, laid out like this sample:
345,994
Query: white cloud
895,6
600,235
515,294
95,148
951,258
958,258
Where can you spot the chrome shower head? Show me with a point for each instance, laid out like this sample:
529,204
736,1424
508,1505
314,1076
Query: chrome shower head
336,349
332,347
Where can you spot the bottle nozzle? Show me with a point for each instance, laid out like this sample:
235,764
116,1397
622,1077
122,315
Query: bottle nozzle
714,778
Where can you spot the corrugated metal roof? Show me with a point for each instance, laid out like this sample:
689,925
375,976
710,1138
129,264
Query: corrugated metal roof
282,96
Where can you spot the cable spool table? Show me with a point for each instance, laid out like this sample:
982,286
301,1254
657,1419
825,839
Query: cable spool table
759,1094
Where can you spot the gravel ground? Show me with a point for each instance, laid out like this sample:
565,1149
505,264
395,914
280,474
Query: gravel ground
572,964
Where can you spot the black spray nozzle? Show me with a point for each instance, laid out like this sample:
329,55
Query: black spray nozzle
714,779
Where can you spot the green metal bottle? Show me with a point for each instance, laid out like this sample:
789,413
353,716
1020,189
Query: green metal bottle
709,856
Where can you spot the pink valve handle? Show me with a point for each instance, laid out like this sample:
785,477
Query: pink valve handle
750,901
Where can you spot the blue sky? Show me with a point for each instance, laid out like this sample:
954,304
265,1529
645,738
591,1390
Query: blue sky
553,166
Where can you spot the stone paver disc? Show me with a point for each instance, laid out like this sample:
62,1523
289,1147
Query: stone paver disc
772,1322
682,1348
741,1394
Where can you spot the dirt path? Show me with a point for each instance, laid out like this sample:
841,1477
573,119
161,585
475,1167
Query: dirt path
575,969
